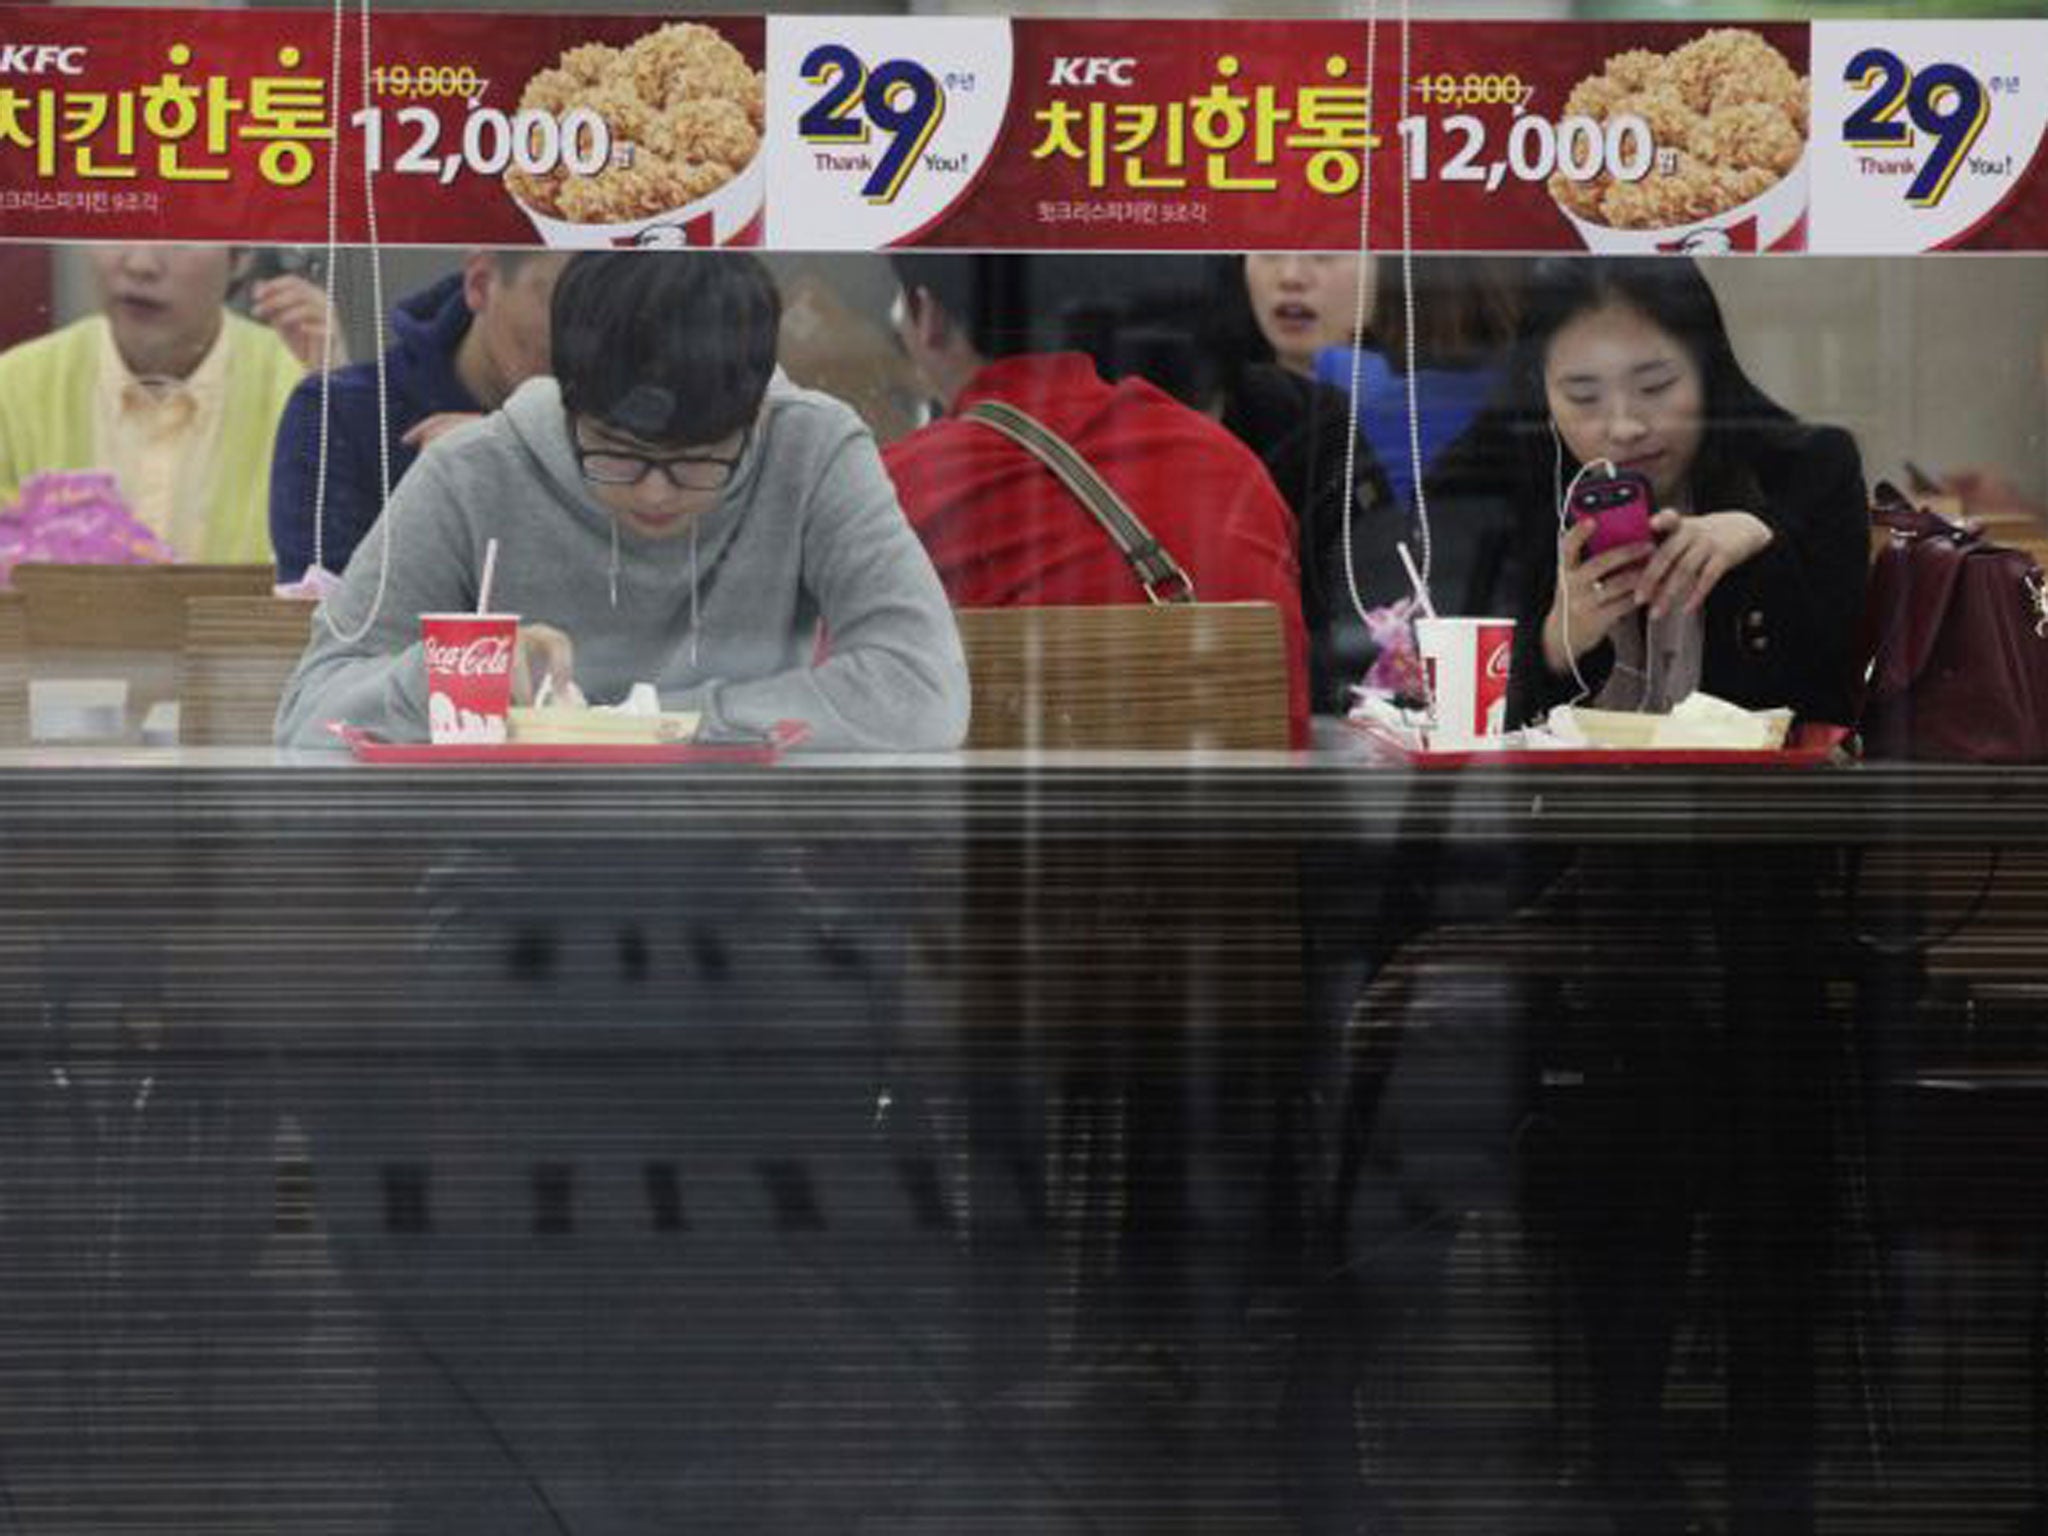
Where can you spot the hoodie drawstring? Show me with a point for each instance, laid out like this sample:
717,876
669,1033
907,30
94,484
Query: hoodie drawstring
614,574
614,571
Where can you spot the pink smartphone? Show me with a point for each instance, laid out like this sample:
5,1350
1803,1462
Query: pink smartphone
1619,506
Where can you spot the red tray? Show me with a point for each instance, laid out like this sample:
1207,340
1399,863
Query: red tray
372,748
1808,746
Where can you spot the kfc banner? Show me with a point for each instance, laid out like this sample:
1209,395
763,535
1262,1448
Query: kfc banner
1928,136
464,129
860,133
1214,135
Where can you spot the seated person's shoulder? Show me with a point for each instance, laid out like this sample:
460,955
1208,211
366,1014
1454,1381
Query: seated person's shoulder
259,349
1268,402
39,352
1817,461
1276,412
807,408
1140,405
473,442
479,449
250,336
1491,461
796,421
350,388
1834,452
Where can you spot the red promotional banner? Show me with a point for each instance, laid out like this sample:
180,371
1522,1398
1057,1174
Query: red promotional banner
838,133
1254,135
218,125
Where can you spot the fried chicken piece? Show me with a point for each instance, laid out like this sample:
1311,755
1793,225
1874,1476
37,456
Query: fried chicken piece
590,62
681,100
1712,61
1672,124
714,129
1636,70
1753,134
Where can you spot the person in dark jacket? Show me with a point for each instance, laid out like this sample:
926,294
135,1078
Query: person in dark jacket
1754,587
1302,432
463,346
1685,1063
1285,359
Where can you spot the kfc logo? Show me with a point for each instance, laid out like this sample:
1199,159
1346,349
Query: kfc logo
1711,240
489,656
41,59
676,235
1086,72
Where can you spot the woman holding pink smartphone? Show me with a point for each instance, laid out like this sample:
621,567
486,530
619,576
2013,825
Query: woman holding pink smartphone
1752,586
1674,529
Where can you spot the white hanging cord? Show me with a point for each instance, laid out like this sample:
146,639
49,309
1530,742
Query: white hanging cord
327,293
385,528
377,299
1408,317
694,627
1358,310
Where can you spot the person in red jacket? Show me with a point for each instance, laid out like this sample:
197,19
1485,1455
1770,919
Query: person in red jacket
1004,532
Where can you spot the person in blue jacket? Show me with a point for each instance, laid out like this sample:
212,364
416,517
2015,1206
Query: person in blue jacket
463,346
1464,311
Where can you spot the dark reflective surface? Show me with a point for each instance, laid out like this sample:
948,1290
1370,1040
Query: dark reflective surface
1136,1148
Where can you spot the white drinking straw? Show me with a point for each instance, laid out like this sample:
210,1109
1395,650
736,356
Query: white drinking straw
483,591
1414,576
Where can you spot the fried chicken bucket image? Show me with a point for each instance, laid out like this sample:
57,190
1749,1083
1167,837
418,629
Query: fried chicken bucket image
1727,114
684,110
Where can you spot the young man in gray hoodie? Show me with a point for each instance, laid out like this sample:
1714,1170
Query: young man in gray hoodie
668,512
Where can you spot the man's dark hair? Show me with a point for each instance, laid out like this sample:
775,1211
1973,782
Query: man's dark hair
1466,312
989,297
672,347
1009,303
1131,314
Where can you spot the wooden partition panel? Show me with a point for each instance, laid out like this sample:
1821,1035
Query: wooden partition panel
238,654
1156,677
124,622
13,673
124,607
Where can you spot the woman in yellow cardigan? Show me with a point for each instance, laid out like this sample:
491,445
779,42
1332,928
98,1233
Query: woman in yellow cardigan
170,390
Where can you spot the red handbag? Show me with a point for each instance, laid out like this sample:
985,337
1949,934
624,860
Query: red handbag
1956,632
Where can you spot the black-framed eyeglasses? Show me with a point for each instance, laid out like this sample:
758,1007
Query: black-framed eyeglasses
685,471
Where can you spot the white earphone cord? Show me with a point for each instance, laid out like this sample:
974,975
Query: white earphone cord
1564,596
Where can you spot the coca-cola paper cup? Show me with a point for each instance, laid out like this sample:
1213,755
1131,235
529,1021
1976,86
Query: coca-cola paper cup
469,674
1466,661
